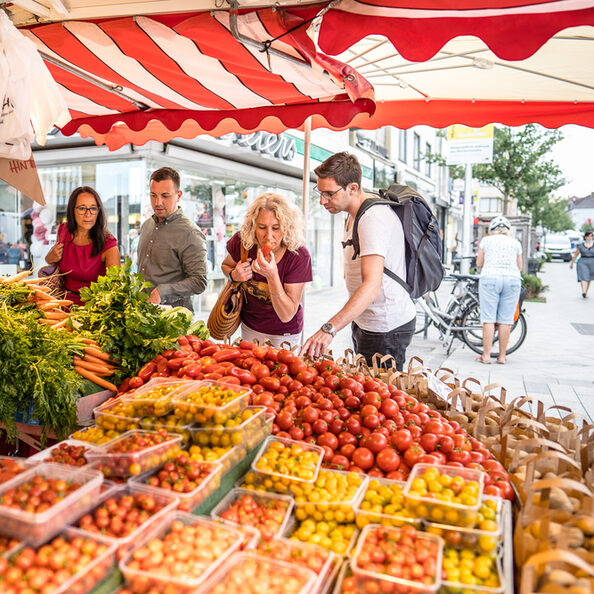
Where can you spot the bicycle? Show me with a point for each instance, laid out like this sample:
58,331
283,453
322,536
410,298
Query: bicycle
461,317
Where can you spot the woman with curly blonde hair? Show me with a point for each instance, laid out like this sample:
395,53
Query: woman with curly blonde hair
277,267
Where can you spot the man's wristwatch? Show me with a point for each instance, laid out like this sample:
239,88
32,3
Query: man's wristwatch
328,328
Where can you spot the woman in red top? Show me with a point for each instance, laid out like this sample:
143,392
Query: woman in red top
275,273
85,248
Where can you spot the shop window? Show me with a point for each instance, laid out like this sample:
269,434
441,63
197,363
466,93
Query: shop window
428,151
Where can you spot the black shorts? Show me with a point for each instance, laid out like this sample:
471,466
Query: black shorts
392,343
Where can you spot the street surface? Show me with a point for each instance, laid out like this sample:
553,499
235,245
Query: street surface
555,364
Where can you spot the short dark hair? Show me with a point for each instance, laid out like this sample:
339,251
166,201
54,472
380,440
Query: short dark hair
587,233
98,233
166,173
343,167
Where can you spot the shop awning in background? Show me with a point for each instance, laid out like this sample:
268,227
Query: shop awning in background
439,62
144,78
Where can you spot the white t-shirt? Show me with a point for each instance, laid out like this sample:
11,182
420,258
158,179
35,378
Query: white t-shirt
501,255
380,233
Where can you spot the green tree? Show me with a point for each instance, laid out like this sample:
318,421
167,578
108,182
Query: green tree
587,226
554,216
520,170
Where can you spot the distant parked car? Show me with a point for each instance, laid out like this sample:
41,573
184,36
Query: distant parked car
575,237
558,245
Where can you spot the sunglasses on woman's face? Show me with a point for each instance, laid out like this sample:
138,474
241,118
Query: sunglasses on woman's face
82,210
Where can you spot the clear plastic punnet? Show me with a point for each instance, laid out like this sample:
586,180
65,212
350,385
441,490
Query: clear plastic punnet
393,514
90,575
483,538
469,483
95,435
116,415
190,500
210,402
124,464
166,502
249,432
36,528
11,467
8,545
249,573
154,398
375,581
268,500
46,455
342,510
299,474
304,554
457,587
213,543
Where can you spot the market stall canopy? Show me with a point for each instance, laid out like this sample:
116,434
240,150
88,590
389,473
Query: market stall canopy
439,62
141,78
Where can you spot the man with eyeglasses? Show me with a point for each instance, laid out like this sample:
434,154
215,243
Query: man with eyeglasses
171,249
380,311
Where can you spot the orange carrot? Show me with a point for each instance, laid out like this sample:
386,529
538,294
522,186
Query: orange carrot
98,369
95,378
95,352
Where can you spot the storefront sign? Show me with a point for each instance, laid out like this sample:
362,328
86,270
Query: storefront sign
469,145
271,145
23,176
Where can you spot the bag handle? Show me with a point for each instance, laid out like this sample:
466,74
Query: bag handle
243,252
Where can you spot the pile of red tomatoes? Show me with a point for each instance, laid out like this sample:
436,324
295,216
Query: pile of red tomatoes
362,423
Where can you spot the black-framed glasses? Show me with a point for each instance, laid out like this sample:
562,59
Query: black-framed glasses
325,194
83,210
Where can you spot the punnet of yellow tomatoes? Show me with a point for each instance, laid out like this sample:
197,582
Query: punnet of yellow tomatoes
281,463
483,537
116,415
154,399
444,494
384,503
249,427
95,434
339,538
468,568
332,496
209,402
226,456
170,423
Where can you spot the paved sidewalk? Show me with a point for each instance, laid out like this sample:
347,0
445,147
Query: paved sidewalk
555,364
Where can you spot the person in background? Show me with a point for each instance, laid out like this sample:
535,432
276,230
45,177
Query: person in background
500,260
171,249
85,248
381,313
585,265
277,267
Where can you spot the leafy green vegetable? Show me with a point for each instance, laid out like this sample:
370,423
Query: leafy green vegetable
36,367
117,312
14,293
199,329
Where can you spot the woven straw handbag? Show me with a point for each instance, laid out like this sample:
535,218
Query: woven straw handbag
225,317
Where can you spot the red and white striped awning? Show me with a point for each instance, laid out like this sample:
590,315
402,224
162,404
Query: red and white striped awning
440,62
143,78
434,62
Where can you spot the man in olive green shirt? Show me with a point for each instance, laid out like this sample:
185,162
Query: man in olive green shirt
171,249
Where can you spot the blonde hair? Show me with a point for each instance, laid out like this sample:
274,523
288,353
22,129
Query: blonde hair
500,231
289,218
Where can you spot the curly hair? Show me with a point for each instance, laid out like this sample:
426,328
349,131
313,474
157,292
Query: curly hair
289,217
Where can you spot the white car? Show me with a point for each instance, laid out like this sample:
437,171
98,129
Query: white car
558,245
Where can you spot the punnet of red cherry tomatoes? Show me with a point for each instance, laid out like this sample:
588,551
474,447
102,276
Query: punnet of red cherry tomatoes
362,423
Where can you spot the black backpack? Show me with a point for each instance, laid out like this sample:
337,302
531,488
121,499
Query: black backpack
422,240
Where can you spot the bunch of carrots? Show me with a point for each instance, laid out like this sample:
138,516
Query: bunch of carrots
94,364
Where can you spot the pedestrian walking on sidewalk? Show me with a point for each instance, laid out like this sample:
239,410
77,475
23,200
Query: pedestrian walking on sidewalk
381,313
500,260
585,265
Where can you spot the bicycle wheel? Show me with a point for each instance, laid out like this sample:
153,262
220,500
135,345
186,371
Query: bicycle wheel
473,337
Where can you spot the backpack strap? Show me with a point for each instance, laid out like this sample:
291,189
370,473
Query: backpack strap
354,241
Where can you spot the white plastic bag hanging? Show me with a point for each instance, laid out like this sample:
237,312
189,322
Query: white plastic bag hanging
30,98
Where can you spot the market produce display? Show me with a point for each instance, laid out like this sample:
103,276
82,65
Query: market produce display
10,468
343,465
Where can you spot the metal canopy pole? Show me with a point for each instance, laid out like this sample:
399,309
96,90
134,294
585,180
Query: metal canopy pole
467,222
305,193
